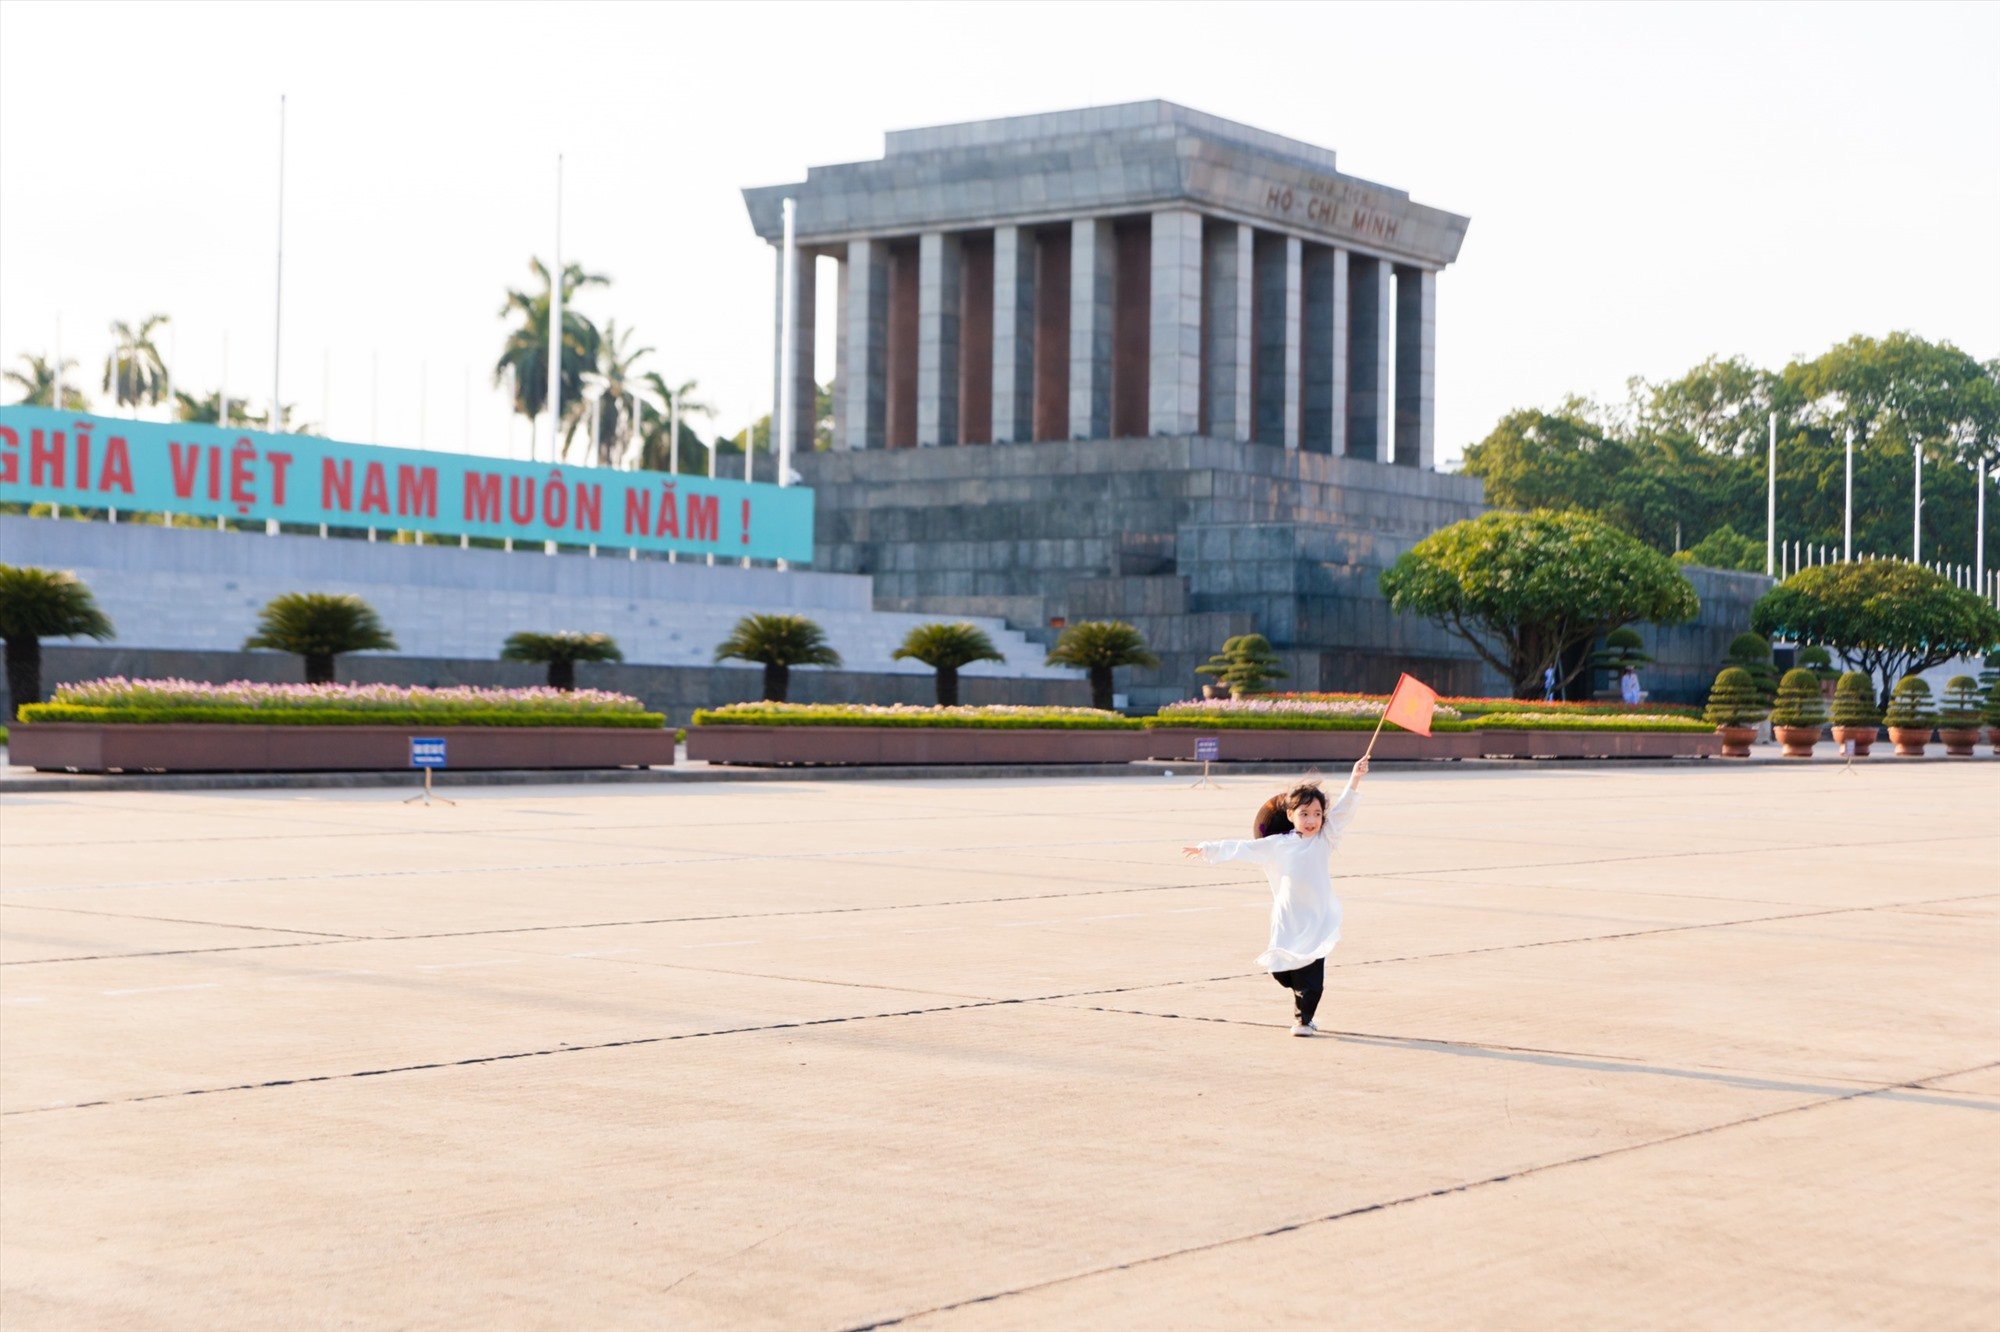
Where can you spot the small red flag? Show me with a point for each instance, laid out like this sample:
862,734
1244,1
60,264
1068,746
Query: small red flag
1411,705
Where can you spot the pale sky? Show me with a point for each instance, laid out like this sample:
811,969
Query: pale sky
1648,184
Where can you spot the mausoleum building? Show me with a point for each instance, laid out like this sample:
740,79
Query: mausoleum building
1123,271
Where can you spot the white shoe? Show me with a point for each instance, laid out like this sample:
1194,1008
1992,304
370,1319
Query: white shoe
1304,1029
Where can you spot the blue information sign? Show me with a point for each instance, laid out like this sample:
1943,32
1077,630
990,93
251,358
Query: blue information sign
427,751
1208,749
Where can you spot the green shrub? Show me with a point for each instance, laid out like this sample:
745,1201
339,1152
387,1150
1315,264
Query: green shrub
1753,654
239,716
1099,647
1246,664
996,717
560,652
1819,661
1910,705
1959,706
1799,700
1733,700
1854,701
945,648
778,642
1991,712
320,627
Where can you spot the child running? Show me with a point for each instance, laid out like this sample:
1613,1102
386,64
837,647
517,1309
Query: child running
1295,837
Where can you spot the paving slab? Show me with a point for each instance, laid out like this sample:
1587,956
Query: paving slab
1641,1048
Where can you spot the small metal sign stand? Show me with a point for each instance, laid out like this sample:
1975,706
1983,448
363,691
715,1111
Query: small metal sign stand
1847,748
427,752
1207,749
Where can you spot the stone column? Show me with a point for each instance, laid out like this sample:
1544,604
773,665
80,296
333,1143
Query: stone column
1368,395
1323,352
1227,255
937,339
805,389
1013,335
865,372
1092,297
1416,356
1277,351
841,366
1174,381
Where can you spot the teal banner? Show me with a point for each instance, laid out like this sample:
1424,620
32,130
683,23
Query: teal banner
102,462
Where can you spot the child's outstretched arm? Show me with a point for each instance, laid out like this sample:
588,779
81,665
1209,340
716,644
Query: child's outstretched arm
1258,850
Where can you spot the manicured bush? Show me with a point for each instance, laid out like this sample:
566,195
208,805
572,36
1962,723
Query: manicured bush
994,717
944,648
1910,707
37,604
1752,653
1799,700
1991,710
780,642
1854,701
1958,706
243,702
1101,647
1733,700
561,651
1245,664
1819,661
319,626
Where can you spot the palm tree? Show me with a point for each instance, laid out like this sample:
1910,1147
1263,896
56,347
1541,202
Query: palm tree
562,651
526,353
206,409
945,648
780,642
134,374
319,626
37,604
618,401
1100,647
38,384
655,416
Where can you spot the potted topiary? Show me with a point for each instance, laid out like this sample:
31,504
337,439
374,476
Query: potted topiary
1799,714
1245,665
1991,713
1958,716
1910,716
1734,709
1856,719
1752,652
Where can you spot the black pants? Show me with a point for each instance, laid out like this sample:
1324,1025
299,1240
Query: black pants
1305,983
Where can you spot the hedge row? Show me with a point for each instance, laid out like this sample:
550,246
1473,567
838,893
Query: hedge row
987,719
406,717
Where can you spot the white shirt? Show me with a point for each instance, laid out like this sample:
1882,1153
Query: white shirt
1305,915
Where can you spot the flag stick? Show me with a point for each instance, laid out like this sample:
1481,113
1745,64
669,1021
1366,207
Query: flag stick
1378,727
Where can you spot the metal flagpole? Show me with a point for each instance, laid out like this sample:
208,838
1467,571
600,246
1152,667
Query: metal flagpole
787,296
712,450
278,287
1771,502
1847,521
554,403
1917,510
749,458
1979,532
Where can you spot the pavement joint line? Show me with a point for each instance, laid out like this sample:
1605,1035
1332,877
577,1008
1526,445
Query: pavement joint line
1573,1059
591,1048
1406,1199
180,920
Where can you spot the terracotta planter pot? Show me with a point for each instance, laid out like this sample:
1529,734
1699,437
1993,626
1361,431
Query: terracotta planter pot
1736,740
1797,740
1959,740
1910,740
1993,739
1862,736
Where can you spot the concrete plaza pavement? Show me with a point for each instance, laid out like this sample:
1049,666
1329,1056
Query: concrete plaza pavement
1708,1047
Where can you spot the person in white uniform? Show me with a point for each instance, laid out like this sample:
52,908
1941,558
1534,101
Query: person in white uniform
1305,915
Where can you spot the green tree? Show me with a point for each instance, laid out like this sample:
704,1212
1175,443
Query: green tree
655,418
1246,664
1529,591
945,648
37,604
618,386
1100,647
134,374
1889,618
37,382
319,626
780,642
206,409
1752,652
1725,548
1733,699
525,357
560,651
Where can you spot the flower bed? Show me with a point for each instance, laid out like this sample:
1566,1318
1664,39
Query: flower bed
1010,717
122,702
1303,712
1471,706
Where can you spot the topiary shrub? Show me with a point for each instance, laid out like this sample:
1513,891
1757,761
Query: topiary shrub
1959,706
1991,712
1246,664
1854,701
1733,700
1819,661
1753,654
1799,702
1910,706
